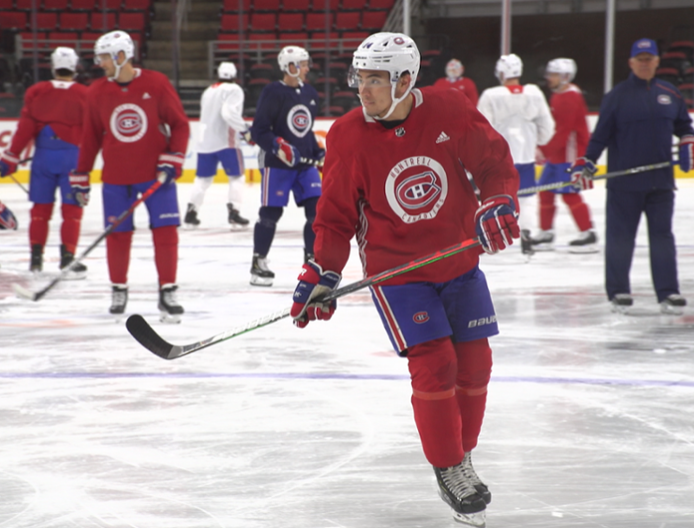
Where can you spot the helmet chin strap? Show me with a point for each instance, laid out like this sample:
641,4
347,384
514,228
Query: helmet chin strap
118,67
396,101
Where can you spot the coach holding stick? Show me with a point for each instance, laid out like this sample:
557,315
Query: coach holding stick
636,123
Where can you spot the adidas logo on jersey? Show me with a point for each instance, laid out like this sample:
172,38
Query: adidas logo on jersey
442,137
146,96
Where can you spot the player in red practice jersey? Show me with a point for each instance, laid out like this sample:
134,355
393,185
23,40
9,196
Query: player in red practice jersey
136,118
566,146
52,117
395,178
454,79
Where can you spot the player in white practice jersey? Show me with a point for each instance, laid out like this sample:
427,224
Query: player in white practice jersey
221,125
519,113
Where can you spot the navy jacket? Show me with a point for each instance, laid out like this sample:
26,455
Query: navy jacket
637,121
288,113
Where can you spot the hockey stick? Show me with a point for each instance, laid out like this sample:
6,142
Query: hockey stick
148,338
15,179
35,296
560,185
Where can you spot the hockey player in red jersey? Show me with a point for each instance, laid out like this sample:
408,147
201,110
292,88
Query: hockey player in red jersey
454,80
566,146
52,117
136,118
395,177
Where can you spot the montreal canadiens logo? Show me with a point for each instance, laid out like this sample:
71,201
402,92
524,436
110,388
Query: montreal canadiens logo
420,317
128,123
299,120
416,188
664,99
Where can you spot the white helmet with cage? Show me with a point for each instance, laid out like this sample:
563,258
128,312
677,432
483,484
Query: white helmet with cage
113,43
395,53
508,67
565,67
226,71
292,55
64,58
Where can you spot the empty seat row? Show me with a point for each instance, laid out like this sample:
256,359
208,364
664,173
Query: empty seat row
96,20
287,22
229,41
305,5
77,5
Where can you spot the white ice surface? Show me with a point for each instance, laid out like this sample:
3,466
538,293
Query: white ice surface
590,419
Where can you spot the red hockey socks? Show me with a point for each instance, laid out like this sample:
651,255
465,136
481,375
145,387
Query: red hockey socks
70,229
579,210
474,371
547,210
38,227
118,256
166,253
432,367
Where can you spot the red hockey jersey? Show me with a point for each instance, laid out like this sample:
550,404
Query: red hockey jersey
58,104
464,84
571,134
133,124
404,191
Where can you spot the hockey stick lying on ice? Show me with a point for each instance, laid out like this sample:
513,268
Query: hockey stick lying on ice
560,185
148,338
35,296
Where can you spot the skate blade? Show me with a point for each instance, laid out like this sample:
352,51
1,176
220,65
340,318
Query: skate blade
80,275
584,249
168,318
260,281
621,310
477,520
543,247
671,310
190,227
238,227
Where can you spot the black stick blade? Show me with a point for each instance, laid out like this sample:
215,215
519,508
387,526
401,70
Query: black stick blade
148,338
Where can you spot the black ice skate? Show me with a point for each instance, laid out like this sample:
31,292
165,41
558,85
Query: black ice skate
673,304
526,244
621,303
457,490
587,242
36,264
77,270
480,487
544,241
235,218
169,309
119,299
260,273
191,218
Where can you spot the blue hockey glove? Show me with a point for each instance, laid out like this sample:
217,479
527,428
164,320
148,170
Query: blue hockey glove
171,164
7,219
686,148
79,181
286,152
582,173
314,283
496,223
8,163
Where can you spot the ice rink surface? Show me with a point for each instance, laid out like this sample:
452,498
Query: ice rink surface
590,419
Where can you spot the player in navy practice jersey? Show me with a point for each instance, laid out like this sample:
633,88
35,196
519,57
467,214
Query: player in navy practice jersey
395,177
282,127
136,118
52,117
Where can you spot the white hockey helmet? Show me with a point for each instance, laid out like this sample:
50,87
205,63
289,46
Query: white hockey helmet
112,43
454,69
292,55
565,67
508,67
226,70
395,53
64,58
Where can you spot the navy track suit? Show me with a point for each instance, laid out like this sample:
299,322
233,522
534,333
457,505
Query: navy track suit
636,123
